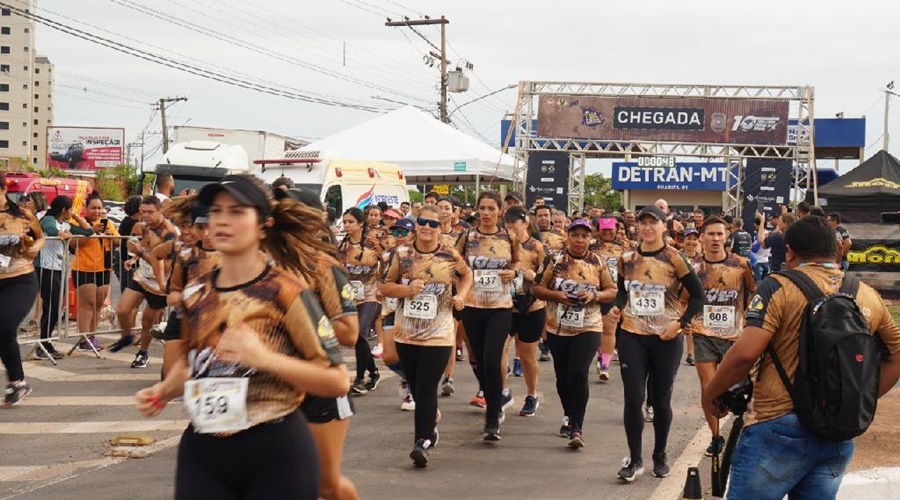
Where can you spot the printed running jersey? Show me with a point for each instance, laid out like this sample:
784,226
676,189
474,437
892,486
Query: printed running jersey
150,239
611,252
381,239
363,264
191,263
728,285
532,256
332,287
14,242
285,315
571,274
553,241
653,284
427,318
451,239
486,254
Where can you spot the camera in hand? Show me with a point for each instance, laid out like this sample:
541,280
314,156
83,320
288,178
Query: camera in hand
737,397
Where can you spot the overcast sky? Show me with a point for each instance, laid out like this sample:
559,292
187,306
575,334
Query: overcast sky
847,50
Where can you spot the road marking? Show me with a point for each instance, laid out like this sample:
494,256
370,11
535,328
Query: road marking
23,428
672,487
50,374
78,401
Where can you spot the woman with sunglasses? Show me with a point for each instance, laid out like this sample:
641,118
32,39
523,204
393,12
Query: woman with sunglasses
403,232
650,282
256,342
575,284
493,254
422,276
362,260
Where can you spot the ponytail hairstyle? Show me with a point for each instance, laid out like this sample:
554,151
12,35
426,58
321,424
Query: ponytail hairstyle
181,209
11,206
293,239
60,203
360,217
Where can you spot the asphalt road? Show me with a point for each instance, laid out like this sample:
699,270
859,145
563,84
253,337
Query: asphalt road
57,443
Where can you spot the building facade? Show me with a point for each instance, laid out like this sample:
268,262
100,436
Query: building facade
26,85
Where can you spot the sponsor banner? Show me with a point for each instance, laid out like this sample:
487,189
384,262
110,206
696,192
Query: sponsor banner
441,189
680,177
766,186
724,121
76,148
875,255
548,177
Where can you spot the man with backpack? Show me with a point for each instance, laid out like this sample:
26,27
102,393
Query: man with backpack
826,358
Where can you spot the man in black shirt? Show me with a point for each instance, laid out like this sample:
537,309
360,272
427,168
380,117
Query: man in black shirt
775,240
132,216
843,239
740,241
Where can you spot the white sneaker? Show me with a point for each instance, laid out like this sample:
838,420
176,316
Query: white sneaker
408,404
378,351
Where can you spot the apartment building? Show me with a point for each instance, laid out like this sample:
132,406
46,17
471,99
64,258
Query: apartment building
26,81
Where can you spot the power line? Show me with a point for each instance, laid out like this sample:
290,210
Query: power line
98,101
98,92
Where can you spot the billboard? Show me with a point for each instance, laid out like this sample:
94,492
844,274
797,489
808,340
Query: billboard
683,119
766,186
681,176
547,177
78,148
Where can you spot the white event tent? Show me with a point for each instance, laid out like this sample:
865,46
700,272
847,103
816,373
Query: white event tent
428,151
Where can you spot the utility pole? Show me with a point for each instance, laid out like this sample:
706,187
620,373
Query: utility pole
443,21
163,102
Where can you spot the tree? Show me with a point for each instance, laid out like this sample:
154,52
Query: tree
416,196
598,192
117,183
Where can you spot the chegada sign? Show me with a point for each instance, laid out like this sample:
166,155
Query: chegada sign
78,148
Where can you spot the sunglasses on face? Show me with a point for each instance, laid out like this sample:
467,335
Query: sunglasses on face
400,232
433,224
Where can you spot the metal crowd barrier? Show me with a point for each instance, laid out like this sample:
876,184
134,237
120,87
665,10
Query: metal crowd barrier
74,319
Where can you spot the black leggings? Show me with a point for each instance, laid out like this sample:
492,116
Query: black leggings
367,312
276,460
640,356
572,357
51,288
16,298
424,366
487,330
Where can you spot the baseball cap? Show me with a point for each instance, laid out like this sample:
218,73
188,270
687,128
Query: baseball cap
244,190
691,232
404,224
302,195
516,196
653,211
606,223
579,223
200,214
391,213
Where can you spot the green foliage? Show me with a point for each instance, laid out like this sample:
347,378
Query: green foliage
52,172
117,183
415,195
598,192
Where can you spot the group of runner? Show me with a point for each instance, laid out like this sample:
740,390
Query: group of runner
262,296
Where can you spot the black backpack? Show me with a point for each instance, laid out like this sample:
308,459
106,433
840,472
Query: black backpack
835,388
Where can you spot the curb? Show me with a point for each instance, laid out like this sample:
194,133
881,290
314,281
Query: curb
882,483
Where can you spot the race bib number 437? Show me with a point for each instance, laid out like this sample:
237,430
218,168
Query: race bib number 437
488,280
217,404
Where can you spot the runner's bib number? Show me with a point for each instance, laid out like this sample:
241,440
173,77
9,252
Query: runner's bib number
217,404
650,302
488,280
422,306
611,263
4,262
571,318
359,290
391,303
718,316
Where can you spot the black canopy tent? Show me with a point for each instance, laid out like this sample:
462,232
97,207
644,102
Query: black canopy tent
862,194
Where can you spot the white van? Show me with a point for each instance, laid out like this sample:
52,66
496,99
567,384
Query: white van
341,184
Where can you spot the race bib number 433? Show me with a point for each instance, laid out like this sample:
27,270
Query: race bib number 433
648,300
217,404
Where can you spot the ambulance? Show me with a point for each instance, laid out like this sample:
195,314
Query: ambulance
341,184
20,184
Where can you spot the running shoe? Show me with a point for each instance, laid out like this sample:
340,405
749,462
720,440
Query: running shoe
51,353
517,368
502,417
492,431
648,413
372,383
156,331
436,437
419,454
576,440
447,388
141,360
615,356
122,343
478,400
604,373
358,388
86,345
378,351
715,446
459,354
630,471
408,403
404,389
530,407
598,365
545,351
660,467
566,428
506,399
690,360
96,343
15,392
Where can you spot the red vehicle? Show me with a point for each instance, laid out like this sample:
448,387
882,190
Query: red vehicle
19,184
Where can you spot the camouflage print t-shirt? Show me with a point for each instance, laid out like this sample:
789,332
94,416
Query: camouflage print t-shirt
611,251
486,254
553,241
531,256
652,281
332,286
363,264
572,275
427,318
728,285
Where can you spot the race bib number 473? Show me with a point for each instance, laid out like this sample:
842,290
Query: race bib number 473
217,404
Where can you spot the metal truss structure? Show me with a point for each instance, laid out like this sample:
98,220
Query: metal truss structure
801,109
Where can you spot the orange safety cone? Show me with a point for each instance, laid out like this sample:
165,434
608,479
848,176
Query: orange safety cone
692,488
